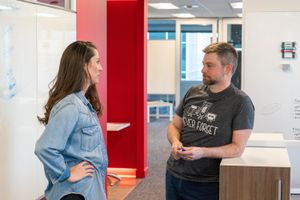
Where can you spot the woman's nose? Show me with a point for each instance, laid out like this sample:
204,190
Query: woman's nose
100,67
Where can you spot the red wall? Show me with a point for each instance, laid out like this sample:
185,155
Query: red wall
91,26
126,61
119,28
141,147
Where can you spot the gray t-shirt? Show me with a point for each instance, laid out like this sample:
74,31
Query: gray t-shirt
208,121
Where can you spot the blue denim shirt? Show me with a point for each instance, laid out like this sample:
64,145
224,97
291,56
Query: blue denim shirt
73,135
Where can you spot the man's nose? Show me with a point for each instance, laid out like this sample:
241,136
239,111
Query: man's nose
203,69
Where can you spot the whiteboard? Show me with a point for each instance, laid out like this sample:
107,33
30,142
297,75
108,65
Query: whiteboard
30,48
275,92
161,67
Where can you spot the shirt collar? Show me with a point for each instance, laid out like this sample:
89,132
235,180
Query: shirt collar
226,91
84,100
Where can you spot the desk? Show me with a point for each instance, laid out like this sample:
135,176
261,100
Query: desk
116,126
157,104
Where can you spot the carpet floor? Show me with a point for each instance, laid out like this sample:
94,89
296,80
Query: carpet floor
153,186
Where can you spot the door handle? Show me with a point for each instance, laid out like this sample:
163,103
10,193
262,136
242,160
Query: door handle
279,189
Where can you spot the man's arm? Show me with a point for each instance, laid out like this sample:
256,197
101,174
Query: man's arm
234,149
173,134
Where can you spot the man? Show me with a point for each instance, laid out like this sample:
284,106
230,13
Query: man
213,121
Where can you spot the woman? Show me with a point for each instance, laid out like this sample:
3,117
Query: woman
71,147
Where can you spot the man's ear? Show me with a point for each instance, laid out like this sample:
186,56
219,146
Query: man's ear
229,69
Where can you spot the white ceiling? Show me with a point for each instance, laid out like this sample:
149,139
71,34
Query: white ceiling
207,8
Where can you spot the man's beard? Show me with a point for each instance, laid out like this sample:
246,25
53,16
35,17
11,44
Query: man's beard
209,81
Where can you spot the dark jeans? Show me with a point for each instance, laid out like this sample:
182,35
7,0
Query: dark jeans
178,189
73,197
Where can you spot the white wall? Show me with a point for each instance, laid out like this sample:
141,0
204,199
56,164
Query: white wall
30,49
274,91
271,6
161,67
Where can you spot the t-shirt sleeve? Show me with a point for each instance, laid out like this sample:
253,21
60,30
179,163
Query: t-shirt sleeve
244,118
179,109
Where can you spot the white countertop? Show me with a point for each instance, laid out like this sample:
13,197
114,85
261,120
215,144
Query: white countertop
266,136
260,157
266,140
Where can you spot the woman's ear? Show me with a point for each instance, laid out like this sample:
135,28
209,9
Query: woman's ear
85,66
86,69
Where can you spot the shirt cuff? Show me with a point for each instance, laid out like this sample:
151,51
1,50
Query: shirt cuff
64,176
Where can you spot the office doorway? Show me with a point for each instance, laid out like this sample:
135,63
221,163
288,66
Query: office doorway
232,33
191,38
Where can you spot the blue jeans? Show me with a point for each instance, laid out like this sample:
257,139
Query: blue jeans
178,189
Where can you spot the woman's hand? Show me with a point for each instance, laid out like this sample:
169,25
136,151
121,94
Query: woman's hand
80,171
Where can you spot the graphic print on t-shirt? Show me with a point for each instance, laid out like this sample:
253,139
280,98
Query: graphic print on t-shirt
199,118
199,112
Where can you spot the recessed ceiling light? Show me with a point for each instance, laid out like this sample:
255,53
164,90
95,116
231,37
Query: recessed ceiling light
183,15
5,7
190,6
237,5
165,6
239,15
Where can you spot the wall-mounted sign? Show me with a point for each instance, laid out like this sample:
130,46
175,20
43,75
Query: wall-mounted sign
288,50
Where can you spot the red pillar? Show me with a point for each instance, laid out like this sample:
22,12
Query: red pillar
127,96
91,26
142,26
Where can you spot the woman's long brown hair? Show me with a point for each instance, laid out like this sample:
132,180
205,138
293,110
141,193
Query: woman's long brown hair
71,77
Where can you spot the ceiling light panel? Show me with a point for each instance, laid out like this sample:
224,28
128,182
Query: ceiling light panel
183,15
46,15
237,5
5,7
163,6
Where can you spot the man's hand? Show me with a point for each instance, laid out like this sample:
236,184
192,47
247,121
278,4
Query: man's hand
176,147
80,171
191,153
173,134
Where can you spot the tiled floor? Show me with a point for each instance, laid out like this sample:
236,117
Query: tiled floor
122,189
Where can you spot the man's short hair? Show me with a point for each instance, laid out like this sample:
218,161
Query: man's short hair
225,51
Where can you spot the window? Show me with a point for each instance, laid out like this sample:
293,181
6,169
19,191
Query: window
234,35
161,29
193,39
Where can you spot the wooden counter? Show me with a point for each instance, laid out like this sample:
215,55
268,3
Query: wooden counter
259,174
